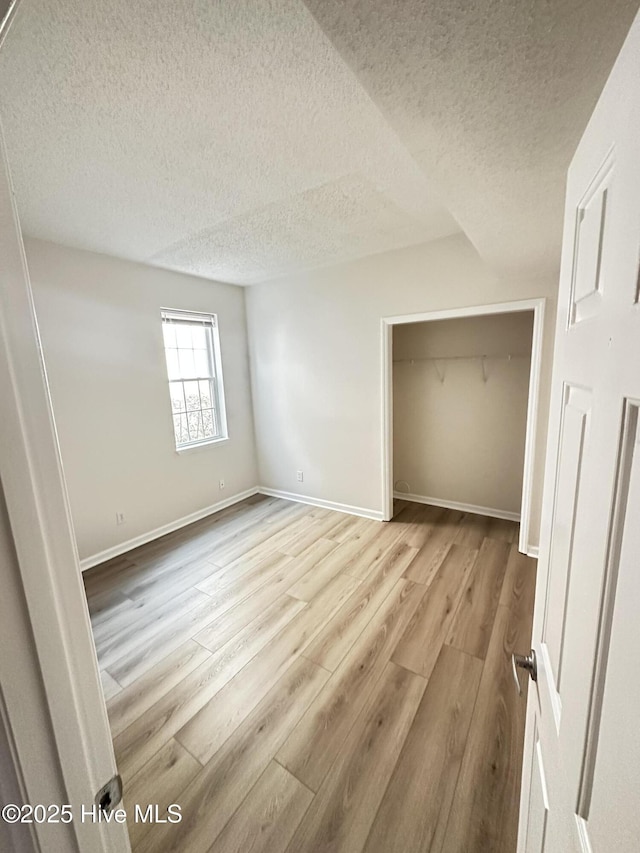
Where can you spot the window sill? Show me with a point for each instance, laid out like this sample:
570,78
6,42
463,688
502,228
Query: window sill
203,446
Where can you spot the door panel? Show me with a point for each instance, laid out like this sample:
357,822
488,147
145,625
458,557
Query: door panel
538,802
577,407
586,750
591,229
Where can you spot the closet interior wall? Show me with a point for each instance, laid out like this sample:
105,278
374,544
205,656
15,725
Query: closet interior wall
460,393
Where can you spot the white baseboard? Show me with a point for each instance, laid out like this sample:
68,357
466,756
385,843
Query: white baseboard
532,551
123,547
476,510
375,514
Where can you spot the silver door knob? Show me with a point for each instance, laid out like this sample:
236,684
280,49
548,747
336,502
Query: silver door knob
527,662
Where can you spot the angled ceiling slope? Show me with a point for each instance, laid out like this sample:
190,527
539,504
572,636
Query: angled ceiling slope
246,139
227,139
491,98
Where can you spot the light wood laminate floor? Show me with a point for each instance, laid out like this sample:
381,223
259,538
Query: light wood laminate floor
301,680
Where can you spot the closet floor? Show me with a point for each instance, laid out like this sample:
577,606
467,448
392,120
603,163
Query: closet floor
303,680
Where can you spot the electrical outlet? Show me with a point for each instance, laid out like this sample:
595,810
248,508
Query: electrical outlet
300,475
221,485
119,518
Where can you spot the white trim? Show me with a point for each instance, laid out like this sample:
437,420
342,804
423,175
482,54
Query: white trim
186,316
6,18
130,544
374,514
209,322
583,834
538,307
201,445
476,510
532,551
532,419
469,311
45,549
387,421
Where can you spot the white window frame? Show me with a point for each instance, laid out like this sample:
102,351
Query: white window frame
210,324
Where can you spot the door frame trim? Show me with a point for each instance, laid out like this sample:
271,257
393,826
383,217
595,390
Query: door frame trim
537,306
49,585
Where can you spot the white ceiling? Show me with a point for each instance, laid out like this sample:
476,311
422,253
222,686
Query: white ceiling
244,139
491,98
226,139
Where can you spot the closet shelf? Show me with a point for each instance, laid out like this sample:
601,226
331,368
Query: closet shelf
508,356
440,361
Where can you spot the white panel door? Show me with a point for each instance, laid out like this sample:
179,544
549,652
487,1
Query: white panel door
581,780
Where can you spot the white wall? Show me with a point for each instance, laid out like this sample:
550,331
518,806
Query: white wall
316,363
100,324
457,437
316,378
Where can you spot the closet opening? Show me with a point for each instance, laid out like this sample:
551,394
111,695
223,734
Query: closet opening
460,394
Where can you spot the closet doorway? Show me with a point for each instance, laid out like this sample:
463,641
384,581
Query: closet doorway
460,393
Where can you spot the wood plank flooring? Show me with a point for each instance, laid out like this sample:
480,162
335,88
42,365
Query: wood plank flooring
297,679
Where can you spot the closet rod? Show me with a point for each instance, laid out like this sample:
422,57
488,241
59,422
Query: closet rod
508,356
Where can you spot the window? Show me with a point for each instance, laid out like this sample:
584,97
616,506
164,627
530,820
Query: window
192,349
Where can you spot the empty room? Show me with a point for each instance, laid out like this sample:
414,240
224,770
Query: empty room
319,367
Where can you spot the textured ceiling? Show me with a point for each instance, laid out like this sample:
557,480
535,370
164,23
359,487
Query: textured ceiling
226,139
491,98
245,139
